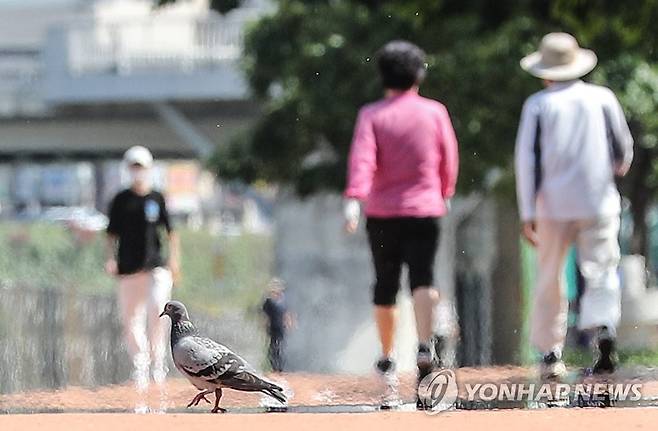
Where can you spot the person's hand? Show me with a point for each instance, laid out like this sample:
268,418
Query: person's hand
351,226
111,267
174,268
352,211
289,321
621,169
529,232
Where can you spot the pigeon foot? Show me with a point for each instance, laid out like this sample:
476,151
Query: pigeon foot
197,399
218,396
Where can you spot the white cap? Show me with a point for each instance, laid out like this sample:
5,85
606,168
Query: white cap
138,155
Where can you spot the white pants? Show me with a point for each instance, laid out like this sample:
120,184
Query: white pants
598,256
142,298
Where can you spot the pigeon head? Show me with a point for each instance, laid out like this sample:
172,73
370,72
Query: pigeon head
176,311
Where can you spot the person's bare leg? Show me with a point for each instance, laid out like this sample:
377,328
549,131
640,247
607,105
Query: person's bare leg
425,300
386,316
133,291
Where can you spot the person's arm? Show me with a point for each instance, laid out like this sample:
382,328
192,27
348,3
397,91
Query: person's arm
524,160
266,314
174,242
289,320
174,255
362,165
449,163
111,266
351,213
620,134
112,237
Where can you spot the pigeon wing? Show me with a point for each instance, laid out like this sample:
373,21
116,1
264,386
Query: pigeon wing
192,355
205,359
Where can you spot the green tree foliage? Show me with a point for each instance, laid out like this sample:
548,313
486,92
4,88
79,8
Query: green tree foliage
622,34
311,64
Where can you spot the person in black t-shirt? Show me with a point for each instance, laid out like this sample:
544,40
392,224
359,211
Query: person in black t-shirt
279,321
138,218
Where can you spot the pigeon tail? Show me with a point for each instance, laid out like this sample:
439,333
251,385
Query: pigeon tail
275,392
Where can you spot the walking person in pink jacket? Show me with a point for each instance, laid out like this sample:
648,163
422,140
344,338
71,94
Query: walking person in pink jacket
403,167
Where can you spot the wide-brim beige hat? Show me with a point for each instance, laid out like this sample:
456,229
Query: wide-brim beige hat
559,59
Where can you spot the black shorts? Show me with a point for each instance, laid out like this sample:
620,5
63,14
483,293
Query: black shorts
402,240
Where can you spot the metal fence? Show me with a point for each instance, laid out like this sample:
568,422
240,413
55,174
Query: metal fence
53,337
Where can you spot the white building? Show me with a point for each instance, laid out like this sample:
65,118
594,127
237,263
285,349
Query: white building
81,81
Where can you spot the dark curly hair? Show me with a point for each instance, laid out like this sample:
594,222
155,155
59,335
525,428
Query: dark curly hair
401,65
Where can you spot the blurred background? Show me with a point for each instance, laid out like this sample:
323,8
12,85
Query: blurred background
248,107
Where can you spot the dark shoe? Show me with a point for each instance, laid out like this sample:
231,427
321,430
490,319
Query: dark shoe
438,345
552,367
606,361
425,366
385,365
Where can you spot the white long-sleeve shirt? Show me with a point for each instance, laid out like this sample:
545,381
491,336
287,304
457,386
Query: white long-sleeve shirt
572,139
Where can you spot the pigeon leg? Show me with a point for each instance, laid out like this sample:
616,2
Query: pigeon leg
200,396
218,396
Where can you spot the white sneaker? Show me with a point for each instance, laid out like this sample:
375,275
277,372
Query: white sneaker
164,399
389,381
141,409
141,382
552,368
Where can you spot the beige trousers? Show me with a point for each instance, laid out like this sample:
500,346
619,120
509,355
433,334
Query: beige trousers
142,298
598,256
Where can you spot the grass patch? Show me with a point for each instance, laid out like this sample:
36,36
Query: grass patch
582,358
219,273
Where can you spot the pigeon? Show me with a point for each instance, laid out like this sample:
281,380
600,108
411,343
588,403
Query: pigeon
210,366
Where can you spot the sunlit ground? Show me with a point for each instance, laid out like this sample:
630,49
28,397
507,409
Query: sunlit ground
306,392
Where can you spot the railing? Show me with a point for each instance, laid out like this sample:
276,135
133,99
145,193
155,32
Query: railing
149,46
54,337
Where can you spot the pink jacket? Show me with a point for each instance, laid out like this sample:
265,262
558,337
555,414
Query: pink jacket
403,161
